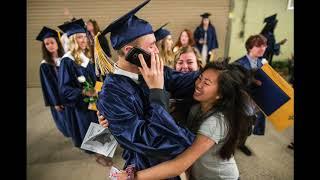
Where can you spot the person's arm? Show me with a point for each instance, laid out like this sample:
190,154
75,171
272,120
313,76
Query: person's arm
160,97
276,46
68,85
283,41
153,77
180,84
151,132
178,165
196,36
49,86
215,44
276,49
181,163
212,131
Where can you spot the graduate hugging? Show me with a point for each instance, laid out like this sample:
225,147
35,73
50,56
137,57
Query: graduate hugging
133,104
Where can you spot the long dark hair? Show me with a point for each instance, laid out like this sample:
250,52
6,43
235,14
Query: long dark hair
201,23
233,104
46,55
96,27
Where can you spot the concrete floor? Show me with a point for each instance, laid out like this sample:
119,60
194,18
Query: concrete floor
50,156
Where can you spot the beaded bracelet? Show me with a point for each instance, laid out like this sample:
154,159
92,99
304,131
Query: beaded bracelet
130,170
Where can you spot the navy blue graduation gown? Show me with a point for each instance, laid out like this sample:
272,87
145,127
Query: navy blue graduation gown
273,48
51,96
212,41
260,123
76,109
244,62
146,131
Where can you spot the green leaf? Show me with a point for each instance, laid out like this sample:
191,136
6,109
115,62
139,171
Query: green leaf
93,99
86,100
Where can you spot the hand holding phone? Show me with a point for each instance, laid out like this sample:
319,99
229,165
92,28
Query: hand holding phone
132,56
153,76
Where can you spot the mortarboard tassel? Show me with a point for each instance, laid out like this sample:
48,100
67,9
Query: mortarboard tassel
59,36
102,61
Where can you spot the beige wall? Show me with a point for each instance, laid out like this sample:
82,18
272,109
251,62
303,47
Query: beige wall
256,11
179,13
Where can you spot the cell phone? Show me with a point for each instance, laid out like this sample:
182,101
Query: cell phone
132,56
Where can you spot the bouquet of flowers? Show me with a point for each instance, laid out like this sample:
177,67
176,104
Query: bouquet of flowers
88,87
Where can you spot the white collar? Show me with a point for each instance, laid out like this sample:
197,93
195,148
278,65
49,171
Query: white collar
84,58
58,61
251,59
131,75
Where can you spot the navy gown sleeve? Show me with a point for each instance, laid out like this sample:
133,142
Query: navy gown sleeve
244,62
69,86
212,38
276,49
272,46
147,130
49,85
197,35
181,85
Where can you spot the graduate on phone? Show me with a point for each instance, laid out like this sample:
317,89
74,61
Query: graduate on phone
136,111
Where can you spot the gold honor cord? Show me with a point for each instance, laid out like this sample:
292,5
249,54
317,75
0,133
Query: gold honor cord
102,61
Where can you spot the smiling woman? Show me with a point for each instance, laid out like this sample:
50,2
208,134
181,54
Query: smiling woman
187,59
77,65
78,44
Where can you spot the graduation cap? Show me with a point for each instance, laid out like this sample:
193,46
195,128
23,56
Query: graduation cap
73,19
73,27
47,32
205,15
128,28
271,19
161,33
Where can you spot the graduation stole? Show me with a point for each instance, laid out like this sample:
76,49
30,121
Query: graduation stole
102,61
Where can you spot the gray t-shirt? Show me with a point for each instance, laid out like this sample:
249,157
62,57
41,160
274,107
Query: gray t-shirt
210,166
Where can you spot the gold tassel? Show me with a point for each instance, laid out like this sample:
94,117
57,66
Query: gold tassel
59,36
102,61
